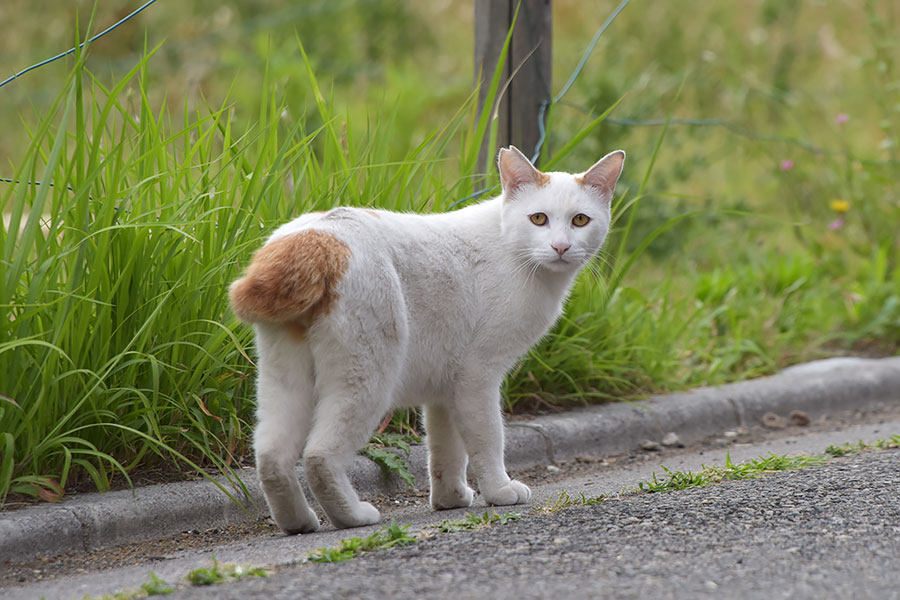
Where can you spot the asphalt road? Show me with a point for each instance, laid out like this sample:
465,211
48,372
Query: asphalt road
825,532
830,531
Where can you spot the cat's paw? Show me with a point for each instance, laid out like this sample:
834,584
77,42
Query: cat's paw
460,497
514,492
363,514
294,525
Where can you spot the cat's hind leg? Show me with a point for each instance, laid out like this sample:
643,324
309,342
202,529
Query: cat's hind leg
285,403
355,383
358,351
349,410
447,461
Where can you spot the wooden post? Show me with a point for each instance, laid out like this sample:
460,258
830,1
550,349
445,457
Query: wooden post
529,58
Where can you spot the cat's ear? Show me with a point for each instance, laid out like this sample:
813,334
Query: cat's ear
517,171
602,177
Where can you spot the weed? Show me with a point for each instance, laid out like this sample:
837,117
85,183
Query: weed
844,449
679,480
475,521
387,537
219,573
379,450
156,586
563,500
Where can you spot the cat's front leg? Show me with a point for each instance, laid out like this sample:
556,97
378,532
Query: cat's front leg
447,461
476,414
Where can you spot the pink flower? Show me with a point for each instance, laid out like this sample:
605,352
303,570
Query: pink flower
836,224
842,118
787,165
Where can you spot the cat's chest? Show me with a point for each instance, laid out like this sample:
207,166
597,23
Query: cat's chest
527,317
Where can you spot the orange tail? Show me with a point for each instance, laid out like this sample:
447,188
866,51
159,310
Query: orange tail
291,280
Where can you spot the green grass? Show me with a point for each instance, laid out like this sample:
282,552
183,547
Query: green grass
223,573
381,451
387,537
564,500
474,521
751,469
845,449
117,349
154,587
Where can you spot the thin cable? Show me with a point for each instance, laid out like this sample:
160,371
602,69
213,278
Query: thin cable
81,45
477,194
542,111
51,184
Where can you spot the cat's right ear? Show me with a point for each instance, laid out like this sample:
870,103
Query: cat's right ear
517,171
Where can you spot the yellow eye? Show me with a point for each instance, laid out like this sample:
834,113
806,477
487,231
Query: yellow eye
580,220
538,219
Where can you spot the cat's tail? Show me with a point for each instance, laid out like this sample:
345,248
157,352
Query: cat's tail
291,280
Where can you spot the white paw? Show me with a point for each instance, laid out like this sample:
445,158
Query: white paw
293,526
363,514
455,498
515,492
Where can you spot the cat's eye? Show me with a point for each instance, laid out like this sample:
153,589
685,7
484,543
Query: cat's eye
538,219
580,220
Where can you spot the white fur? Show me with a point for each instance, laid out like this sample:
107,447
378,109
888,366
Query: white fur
433,310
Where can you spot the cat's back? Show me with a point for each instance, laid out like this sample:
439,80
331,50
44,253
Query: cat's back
416,245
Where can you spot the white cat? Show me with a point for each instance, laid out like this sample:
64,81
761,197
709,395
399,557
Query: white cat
361,311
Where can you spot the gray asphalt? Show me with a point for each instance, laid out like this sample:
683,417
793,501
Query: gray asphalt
815,533
823,532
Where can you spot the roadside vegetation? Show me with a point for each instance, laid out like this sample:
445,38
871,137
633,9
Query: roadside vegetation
755,223
753,468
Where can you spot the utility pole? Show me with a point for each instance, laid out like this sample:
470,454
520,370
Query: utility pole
528,64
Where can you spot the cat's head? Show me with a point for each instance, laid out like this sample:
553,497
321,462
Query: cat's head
556,221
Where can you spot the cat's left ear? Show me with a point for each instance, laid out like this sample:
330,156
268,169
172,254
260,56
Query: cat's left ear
602,177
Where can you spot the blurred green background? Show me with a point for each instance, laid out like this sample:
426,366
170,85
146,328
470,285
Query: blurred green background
756,220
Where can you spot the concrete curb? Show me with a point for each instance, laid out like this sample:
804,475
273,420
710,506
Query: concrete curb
825,387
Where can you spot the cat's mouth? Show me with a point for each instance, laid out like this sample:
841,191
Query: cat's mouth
559,263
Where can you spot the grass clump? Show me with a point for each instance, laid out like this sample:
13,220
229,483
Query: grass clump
223,573
564,500
836,450
154,587
474,521
751,469
387,537
381,450
680,480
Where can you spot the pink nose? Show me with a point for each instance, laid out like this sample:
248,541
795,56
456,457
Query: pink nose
560,247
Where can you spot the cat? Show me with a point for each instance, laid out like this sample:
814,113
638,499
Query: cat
358,312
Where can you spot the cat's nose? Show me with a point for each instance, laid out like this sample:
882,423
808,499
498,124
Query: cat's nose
560,247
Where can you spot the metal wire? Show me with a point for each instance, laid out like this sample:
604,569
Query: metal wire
81,45
542,111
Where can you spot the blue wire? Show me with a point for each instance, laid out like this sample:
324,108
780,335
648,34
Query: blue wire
81,45
475,195
58,56
575,74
